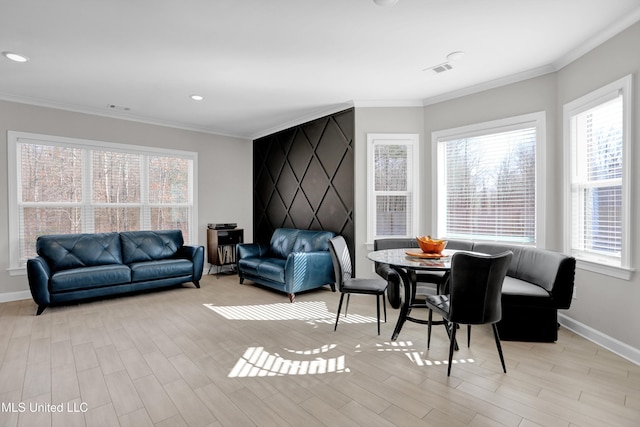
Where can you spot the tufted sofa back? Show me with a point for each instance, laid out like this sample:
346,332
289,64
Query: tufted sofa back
140,246
66,251
287,240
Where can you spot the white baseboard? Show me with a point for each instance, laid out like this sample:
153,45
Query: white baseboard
632,354
14,296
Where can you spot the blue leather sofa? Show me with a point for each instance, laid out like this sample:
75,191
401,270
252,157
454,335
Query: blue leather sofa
539,282
72,267
293,261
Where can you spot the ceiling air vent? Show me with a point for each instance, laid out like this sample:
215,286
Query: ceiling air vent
118,107
440,68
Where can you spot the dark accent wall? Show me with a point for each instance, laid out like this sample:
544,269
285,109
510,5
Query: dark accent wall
303,177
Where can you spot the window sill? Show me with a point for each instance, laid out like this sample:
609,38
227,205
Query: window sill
17,271
608,270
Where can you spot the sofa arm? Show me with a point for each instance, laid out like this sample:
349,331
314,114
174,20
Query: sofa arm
551,270
563,285
38,274
304,270
245,250
196,255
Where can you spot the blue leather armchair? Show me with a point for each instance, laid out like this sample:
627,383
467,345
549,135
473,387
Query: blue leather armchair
71,267
293,261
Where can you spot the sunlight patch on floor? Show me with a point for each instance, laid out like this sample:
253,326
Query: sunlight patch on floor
417,359
315,311
257,362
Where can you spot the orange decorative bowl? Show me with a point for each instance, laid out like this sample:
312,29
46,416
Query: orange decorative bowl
431,246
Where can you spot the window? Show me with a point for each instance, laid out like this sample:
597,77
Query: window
63,185
596,133
392,185
488,181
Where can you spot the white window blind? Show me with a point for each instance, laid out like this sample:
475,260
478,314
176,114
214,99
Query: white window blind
597,179
63,185
598,153
393,202
392,189
487,183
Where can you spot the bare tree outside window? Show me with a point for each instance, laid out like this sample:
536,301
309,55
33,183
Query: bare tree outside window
391,179
70,188
490,186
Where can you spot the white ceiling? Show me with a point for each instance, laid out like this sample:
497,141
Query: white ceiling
264,65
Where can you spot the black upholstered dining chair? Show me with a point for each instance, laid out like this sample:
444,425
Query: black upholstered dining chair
349,285
474,298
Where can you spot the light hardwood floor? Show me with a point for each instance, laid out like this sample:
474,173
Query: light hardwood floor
241,355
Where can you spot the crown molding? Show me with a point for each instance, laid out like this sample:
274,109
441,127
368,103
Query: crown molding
115,115
377,103
628,20
492,84
316,114
621,25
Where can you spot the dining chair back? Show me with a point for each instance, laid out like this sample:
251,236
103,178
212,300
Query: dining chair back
475,291
347,284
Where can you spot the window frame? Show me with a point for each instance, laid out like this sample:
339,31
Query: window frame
16,267
594,263
537,120
413,180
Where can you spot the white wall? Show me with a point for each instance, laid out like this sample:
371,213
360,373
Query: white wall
377,120
604,304
606,310
224,168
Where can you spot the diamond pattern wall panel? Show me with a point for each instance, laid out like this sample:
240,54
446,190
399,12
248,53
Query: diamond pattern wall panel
304,178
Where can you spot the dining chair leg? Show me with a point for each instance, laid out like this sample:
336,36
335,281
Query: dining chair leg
384,305
468,335
429,323
378,311
339,308
452,346
346,309
448,326
497,337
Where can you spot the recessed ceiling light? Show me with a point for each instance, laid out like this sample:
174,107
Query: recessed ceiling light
385,2
15,57
197,97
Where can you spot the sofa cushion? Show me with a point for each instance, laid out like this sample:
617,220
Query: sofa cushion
531,267
66,251
287,240
249,265
497,248
267,268
312,241
160,269
89,277
282,241
520,292
140,246
272,269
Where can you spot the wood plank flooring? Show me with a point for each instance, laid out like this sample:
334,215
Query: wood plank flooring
241,355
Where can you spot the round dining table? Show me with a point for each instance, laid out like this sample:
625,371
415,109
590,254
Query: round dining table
406,262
